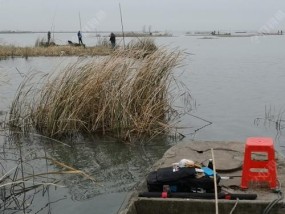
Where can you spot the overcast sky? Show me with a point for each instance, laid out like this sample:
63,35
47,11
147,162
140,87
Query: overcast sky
171,15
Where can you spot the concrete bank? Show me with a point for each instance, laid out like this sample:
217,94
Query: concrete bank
229,160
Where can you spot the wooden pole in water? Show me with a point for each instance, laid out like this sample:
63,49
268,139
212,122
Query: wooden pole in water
122,25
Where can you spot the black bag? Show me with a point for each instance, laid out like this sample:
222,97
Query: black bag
183,180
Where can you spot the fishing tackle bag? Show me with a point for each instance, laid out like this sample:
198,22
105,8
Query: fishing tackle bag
183,180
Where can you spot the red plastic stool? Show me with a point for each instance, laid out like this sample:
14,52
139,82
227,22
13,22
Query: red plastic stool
259,170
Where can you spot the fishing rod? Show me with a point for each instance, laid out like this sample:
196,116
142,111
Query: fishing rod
228,196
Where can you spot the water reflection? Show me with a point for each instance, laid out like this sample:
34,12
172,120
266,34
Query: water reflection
24,175
116,168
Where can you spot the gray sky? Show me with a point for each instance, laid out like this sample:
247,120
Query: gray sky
171,15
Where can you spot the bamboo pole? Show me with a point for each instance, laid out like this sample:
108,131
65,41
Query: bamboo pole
79,21
53,25
215,182
122,25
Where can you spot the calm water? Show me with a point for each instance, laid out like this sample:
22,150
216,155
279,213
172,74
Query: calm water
232,80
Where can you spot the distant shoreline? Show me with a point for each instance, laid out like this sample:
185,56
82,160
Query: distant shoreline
22,32
98,34
234,35
117,32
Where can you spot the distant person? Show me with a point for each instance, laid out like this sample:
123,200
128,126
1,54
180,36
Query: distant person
281,32
79,35
48,36
113,40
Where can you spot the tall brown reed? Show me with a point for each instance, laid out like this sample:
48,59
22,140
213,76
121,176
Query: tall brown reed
39,42
146,43
141,47
117,95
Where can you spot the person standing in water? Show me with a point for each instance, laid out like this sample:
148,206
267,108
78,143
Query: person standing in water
113,40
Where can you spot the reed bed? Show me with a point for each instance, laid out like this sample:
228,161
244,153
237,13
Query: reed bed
141,47
63,50
143,44
119,95
103,41
41,42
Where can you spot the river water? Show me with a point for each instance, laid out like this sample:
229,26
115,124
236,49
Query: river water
237,87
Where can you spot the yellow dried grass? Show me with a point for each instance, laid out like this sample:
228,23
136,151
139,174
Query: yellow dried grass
63,50
116,95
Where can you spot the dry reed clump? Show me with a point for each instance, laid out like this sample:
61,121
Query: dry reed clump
143,44
119,96
40,42
141,47
103,42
